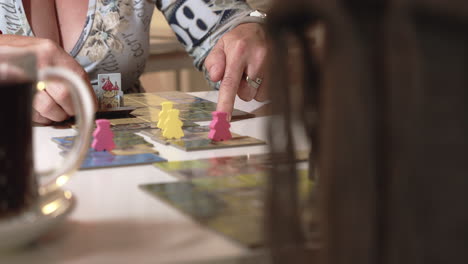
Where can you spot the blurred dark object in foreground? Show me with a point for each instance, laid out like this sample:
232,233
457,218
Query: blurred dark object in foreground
385,104
116,112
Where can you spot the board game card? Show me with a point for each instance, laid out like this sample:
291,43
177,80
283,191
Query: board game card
123,139
196,138
131,149
191,108
109,91
232,206
103,159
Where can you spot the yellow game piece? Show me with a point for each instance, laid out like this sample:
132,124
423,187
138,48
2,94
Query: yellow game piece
173,125
166,106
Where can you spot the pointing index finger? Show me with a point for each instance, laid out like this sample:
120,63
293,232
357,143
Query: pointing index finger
229,86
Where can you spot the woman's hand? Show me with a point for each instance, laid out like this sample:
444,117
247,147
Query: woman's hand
54,102
239,53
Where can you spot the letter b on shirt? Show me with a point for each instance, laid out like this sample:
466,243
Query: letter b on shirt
193,20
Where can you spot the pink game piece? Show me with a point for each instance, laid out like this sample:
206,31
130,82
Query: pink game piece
219,127
103,136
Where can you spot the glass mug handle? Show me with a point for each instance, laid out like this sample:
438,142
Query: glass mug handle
84,114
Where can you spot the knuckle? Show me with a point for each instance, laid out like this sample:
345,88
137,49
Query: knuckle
42,104
48,46
46,108
62,93
261,53
241,46
229,83
245,94
245,97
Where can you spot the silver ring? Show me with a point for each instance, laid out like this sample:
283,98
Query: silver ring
254,83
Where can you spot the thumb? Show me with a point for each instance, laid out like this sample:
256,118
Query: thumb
215,62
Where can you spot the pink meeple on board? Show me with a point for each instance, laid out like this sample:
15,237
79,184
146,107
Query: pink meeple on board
219,127
103,136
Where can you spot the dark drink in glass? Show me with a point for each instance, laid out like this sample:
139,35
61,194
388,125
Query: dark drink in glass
17,182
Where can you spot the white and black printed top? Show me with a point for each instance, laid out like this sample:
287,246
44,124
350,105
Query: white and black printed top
115,37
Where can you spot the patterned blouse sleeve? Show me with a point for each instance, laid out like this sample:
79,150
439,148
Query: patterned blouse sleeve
199,24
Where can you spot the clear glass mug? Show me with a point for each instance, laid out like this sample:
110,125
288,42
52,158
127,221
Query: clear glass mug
19,80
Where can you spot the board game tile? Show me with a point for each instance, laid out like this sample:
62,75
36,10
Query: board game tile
173,95
203,144
147,110
151,98
134,149
64,143
120,121
134,95
193,100
237,140
131,149
232,206
124,139
196,138
133,126
203,106
200,108
197,116
149,118
103,159
134,104
126,142
156,104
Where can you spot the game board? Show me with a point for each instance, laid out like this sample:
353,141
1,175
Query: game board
145,116
196,138
192,108
230,205
131,149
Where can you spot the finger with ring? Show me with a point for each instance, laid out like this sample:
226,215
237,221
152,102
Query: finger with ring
254,83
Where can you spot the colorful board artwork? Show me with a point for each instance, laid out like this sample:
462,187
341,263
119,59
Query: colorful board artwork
196,138
232,206
192,108
131,149
145,108
145,116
